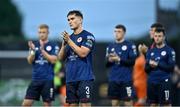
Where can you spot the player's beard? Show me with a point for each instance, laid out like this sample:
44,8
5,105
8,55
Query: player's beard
159,44
43,38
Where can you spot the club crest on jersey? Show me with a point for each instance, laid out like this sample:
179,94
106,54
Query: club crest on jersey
152,53
163,53
79,39
48,48
124,47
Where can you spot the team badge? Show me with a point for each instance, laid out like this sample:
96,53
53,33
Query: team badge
124,47
79,39
152,53
48,48
163,53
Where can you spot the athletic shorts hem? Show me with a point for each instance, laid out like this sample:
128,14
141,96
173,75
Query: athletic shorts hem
32,98
48,100
113,97
72,101
85,100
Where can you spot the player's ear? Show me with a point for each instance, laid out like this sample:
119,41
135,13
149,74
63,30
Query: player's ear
81,20
47,31
164,37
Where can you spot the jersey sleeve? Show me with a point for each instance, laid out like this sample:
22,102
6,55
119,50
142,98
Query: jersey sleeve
36,51
169,66
132,54
108,48
89,42
133,51
55,49
147,66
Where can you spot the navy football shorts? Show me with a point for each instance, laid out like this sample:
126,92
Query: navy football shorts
120,90
159,93
79,92
45,89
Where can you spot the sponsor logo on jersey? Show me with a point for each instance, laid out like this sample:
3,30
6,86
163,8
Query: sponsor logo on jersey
152,54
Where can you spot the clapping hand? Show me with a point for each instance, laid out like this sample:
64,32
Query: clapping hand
31,45
153,63
66,36
113,57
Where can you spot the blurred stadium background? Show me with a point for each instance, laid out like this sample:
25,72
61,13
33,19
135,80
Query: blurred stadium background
16,30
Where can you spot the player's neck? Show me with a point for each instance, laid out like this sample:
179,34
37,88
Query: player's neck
160,45
120,41
78,30
44,41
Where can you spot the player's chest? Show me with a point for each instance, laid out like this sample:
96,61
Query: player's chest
159,55
47,48
120,49
78,40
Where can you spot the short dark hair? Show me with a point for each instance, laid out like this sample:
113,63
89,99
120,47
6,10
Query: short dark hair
160,29
120,26
42,26
156,25
76,12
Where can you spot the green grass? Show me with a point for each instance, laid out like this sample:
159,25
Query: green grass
13,91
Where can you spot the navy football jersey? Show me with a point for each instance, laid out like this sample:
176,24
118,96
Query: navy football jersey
165,57
42,69
122,71
78,68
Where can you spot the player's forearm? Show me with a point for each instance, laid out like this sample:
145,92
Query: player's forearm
148,68
108,62
166,67
30,59
128,62
78,50
61,54
50,58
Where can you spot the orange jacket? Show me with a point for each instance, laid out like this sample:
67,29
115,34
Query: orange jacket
140,77
139,74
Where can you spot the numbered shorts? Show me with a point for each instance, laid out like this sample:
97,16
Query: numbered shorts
120,90
159,93
79,92
44,89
